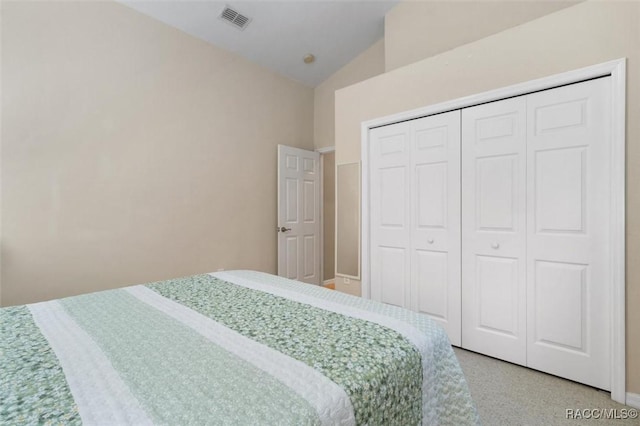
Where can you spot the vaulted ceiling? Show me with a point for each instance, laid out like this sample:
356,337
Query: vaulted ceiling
281,33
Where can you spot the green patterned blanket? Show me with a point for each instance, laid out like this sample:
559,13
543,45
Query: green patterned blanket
230,348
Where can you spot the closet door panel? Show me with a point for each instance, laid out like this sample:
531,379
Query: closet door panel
498,298
494,229
435,220
390,219
567,242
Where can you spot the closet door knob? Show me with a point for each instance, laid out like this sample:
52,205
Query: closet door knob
430,240
495,245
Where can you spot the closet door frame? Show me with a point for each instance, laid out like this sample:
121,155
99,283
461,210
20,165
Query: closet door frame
617,71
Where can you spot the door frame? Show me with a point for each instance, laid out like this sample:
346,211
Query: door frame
616,69
323,151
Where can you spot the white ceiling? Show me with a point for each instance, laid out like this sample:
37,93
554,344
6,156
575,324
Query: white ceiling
281,33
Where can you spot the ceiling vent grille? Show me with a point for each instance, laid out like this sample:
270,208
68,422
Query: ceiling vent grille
235,18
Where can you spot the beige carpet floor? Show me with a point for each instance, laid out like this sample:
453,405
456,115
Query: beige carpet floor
507,394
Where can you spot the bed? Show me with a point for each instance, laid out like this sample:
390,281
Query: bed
227,348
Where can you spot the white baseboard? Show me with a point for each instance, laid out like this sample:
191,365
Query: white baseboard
633,400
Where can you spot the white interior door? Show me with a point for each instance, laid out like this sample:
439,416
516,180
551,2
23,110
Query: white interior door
299,214
390,214
568,156
435,219
494,229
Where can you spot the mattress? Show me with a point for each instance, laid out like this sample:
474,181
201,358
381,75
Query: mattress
227,348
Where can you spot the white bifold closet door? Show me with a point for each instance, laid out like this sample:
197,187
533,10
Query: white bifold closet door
415,217
535,230
494,229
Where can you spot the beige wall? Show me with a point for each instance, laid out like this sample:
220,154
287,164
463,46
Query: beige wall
368,64
582,35
132,152
329,214
348,285
415,30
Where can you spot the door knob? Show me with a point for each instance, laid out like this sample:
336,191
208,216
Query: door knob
283,229
430,240
495,245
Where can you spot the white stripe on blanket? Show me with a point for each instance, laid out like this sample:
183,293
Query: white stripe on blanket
99,392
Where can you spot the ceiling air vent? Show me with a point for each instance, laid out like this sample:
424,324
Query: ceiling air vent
238,20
